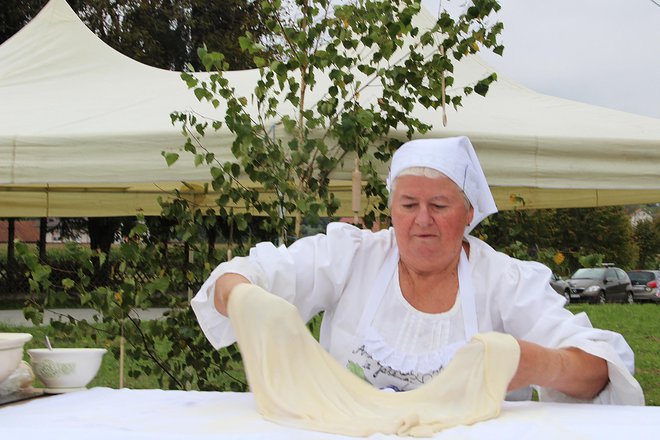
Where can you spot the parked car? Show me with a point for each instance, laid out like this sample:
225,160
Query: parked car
600,285
561,287
645,284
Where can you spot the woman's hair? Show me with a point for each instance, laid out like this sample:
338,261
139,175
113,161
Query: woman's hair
424,172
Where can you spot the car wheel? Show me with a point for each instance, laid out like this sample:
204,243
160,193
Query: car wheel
602,299
630,298
567,296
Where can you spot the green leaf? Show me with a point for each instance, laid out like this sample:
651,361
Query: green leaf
259,61
199,93
170,158
481,88
244,42
138,229
199,159
289,124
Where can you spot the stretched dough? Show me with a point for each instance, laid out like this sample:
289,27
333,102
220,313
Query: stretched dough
295,382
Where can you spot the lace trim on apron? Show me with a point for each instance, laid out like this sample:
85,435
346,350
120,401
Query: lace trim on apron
407,363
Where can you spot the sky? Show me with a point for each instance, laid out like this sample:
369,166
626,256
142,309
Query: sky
601,52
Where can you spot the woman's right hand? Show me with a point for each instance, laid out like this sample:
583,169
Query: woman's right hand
223,288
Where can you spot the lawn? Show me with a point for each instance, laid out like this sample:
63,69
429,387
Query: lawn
638,323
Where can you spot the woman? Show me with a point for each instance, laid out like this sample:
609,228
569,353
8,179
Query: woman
398,303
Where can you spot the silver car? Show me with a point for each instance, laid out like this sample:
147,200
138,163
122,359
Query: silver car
600,285
646,285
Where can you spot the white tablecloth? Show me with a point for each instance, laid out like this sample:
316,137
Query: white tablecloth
103,413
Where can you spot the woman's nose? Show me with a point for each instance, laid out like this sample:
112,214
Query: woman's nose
423,218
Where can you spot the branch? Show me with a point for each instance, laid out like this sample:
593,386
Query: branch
151,354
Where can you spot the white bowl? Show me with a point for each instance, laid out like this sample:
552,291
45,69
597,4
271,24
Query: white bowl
11,352
66,369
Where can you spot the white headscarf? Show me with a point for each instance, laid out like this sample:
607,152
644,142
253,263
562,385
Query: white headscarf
454,157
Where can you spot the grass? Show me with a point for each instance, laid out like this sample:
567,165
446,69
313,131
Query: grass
640,326
638,323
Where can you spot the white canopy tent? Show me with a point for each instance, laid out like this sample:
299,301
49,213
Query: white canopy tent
82,128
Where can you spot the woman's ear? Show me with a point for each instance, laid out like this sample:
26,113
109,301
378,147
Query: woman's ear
470,216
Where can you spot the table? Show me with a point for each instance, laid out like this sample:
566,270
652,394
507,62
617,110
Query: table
104,413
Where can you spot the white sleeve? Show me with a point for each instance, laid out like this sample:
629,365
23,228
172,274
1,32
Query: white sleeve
311,274
622,388
531,310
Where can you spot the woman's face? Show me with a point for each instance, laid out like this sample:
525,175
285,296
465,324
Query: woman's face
429,218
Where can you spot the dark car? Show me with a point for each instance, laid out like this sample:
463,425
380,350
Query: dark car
561,287
645,284
599,285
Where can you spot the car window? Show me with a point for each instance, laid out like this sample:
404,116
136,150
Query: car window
621,274
640,277
589,273
610,275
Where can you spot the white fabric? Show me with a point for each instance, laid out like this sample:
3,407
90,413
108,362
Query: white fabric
395,348
108,414
514,297
82,116
297,383
455,158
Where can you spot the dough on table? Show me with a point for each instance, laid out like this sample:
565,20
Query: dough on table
295,382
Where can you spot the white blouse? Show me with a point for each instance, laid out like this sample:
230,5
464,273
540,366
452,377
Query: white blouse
335,272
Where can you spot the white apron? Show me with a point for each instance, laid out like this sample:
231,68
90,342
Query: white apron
403,377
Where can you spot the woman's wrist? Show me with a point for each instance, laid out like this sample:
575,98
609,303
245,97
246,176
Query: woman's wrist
223,288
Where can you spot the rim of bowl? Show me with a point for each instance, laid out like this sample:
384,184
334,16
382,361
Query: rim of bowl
64,350
13,340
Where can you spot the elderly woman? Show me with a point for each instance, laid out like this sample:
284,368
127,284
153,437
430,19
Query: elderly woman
398,303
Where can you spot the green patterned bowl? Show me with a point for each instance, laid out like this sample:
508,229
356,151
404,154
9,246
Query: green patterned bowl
66,369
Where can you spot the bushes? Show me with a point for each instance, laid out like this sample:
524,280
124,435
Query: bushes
139,273
71,262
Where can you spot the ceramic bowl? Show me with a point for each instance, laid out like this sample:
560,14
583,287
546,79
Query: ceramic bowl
66,369
11,352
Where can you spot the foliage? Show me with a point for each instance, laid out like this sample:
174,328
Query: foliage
305,117
188,362
161,33
564,239
647,237
68,261
591,260
605,231
15,14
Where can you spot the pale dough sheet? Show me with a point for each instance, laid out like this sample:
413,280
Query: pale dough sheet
295,382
